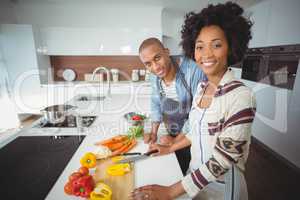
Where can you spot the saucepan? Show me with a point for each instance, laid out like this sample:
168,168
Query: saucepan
56,113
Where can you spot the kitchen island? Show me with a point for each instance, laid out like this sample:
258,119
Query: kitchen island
163,170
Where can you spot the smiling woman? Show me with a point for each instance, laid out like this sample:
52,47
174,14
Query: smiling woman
222,111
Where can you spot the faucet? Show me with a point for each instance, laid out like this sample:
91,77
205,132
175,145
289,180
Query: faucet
107,77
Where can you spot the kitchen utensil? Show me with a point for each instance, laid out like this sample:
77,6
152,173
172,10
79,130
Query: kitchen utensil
140,157
56,113
69,75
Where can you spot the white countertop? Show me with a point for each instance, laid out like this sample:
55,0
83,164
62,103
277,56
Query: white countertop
163,170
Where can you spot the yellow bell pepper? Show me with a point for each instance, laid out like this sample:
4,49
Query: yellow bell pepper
117,158
101,192
118,169
89,160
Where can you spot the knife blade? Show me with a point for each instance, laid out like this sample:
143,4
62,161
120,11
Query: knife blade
140,157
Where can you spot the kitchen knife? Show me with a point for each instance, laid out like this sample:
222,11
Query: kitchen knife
130,154
140,157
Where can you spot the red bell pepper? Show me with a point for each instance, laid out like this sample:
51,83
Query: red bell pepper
83,186
136,117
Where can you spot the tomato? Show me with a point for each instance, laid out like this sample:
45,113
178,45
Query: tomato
68,188
83,170
136,117
74,176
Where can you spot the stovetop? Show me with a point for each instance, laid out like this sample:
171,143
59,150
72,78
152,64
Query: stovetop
70,122
30,166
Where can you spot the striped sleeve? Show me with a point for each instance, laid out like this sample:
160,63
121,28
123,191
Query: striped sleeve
232,143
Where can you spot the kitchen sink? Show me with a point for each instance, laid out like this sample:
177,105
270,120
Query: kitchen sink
90,98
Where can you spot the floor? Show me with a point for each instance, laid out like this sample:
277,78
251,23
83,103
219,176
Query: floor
268,177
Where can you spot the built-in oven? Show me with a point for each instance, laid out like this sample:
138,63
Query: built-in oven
276,66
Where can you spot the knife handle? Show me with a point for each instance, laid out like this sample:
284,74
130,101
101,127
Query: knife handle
131,154
151,152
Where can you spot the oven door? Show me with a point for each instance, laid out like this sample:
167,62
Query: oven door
254,67
282,70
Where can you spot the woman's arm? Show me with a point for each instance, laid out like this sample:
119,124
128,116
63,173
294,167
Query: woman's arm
231,147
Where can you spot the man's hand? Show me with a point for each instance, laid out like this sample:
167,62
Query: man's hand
147,138
150,138
162,149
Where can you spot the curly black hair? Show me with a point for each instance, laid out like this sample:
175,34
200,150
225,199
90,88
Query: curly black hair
229,18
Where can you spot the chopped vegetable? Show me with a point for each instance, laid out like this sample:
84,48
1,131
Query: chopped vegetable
102,152
118,169
117,158
89,160
101,192
136,131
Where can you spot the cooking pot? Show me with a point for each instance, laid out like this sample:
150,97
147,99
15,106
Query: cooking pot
56,113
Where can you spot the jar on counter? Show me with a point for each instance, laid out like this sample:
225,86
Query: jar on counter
115,75
147,75
135,75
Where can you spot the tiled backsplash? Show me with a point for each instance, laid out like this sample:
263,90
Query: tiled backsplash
86,64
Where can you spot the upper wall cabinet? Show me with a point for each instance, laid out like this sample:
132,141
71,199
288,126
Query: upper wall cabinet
22,50
94,41
27,67
259,15
276,22
284,23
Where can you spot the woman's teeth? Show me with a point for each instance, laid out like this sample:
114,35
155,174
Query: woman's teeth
207,64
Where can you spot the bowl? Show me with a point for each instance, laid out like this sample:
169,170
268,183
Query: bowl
133,118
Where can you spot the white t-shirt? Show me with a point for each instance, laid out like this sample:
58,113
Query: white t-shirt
170,90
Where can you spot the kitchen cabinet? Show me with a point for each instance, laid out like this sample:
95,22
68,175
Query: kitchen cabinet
284,25
94,41
27,68
276,22
259,15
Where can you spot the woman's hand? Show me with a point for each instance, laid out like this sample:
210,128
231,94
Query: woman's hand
167,140
151,192
162,149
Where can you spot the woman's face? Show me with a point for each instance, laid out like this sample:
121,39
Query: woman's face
211,51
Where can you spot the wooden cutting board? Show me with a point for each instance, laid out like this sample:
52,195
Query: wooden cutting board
121,185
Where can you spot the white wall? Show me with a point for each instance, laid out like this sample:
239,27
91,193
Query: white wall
278,110
7,15
84,28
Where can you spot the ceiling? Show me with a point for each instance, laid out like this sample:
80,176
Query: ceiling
171,5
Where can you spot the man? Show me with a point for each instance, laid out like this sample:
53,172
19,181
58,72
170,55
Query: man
174,82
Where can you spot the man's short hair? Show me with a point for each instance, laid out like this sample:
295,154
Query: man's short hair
149,42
